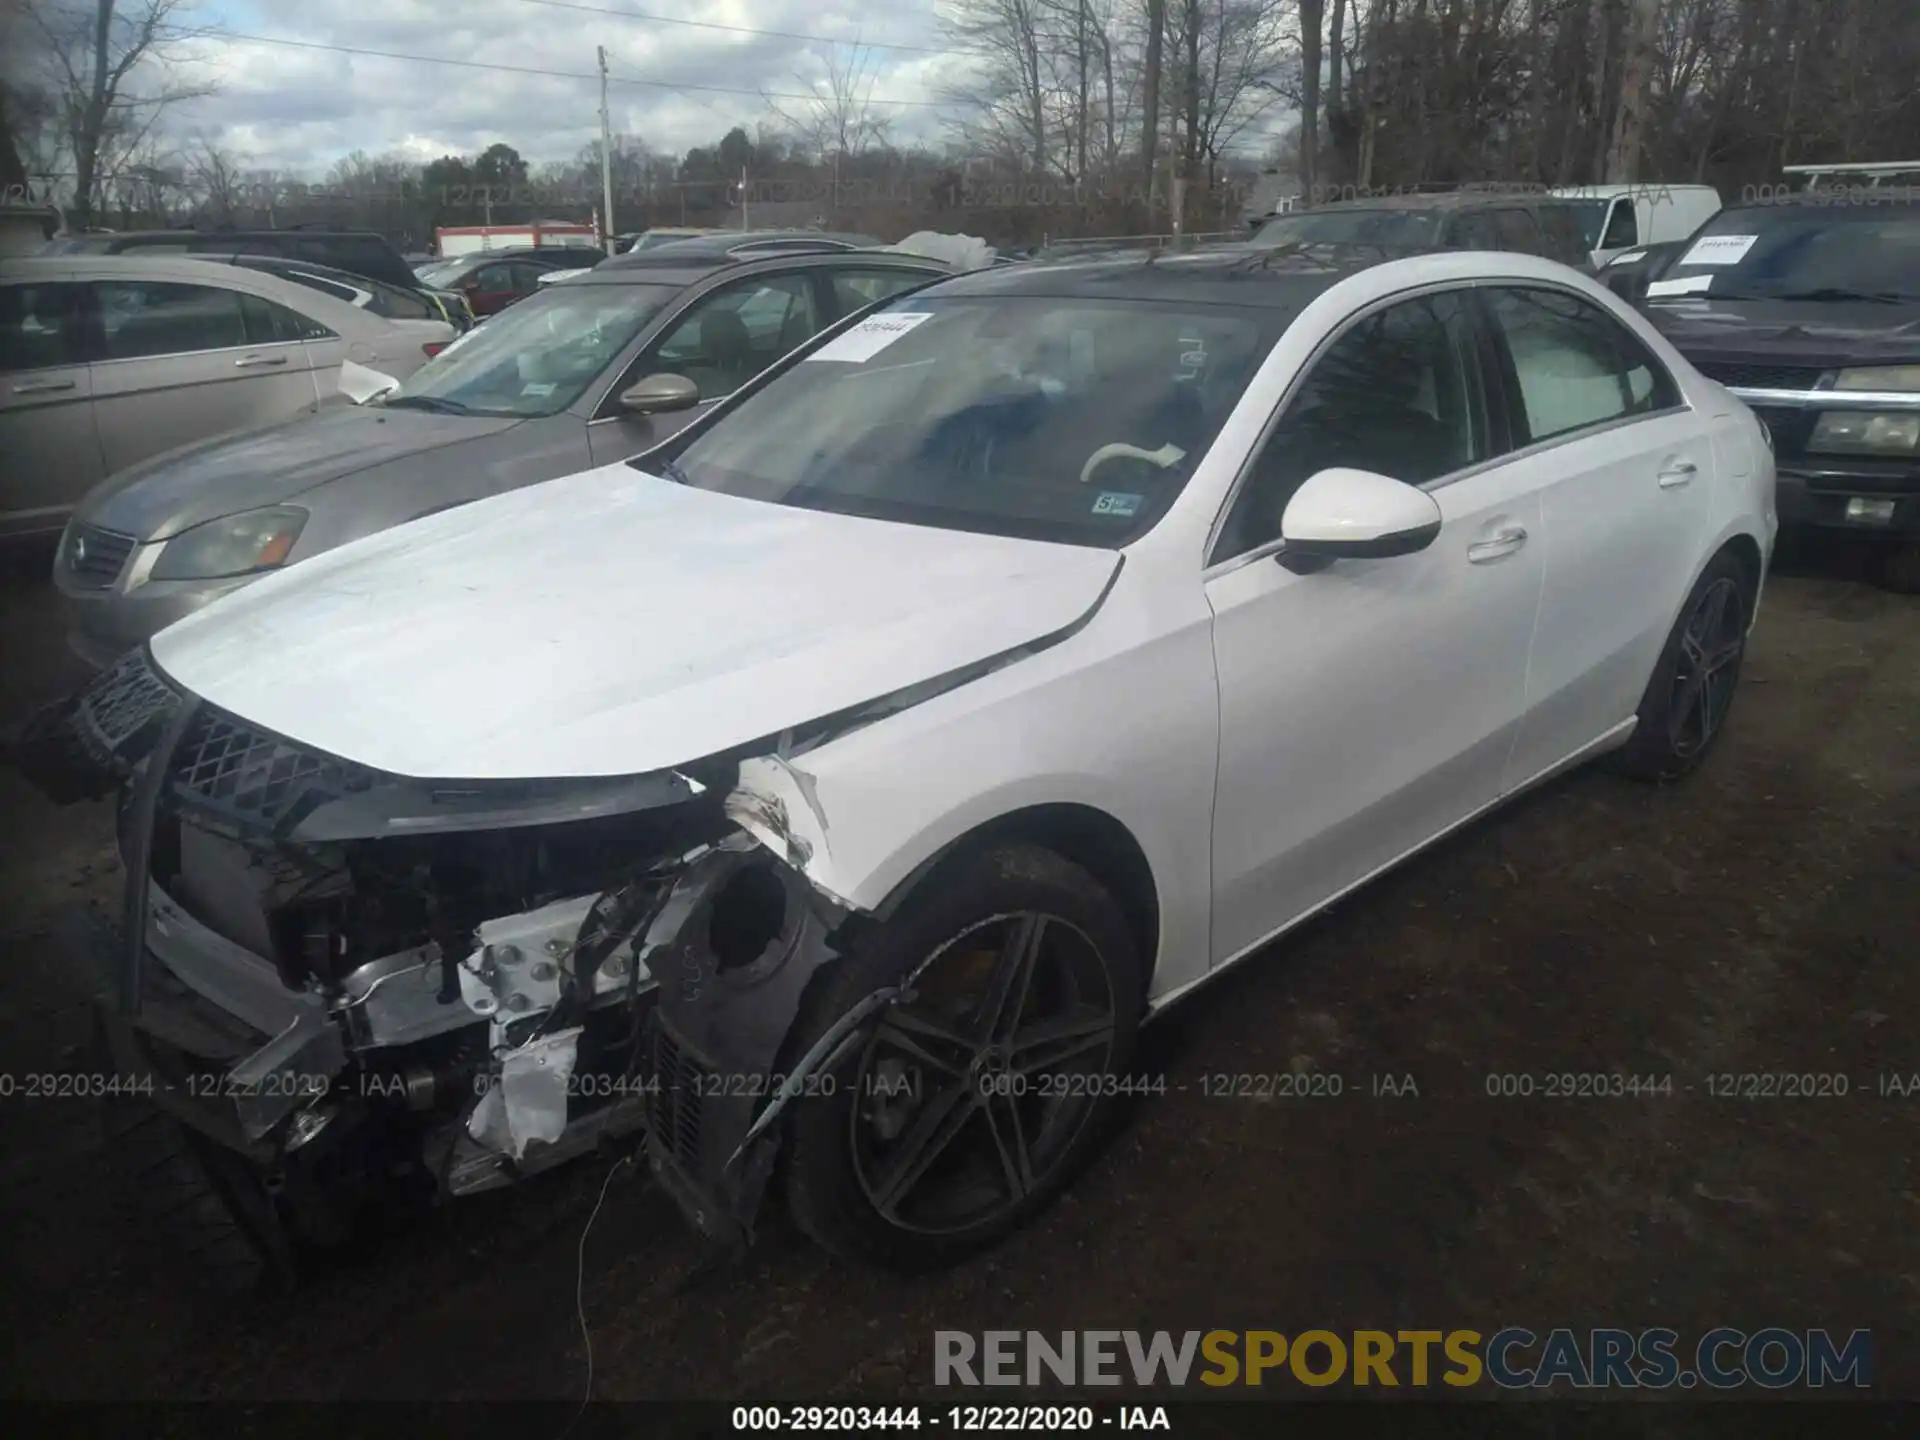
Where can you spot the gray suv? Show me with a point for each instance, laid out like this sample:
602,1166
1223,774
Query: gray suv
580,374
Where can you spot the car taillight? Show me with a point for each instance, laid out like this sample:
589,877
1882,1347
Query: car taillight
434,347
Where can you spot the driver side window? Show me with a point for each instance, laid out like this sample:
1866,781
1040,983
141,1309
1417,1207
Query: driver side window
728,338
1398,393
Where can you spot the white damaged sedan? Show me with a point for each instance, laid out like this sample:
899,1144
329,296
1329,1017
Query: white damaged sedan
848,777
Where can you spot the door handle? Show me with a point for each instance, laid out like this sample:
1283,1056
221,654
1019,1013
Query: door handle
1504,542
42,387
1677,472
255,362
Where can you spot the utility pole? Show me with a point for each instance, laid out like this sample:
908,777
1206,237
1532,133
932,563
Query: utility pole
744,223
606,160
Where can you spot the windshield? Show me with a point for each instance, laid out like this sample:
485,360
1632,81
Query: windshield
1591,215
537,357
1801,252
1412,228
1052,419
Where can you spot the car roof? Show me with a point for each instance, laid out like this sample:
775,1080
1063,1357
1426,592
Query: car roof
652,267
1608,192
1443,200
722,243
1886,197
1283,277
190,270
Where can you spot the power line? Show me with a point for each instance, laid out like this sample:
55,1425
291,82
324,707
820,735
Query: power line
856,42
495,65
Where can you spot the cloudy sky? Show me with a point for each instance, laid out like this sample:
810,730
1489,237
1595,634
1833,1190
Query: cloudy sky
299,107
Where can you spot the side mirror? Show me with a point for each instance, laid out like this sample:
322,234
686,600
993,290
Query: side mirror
1342,514
659,394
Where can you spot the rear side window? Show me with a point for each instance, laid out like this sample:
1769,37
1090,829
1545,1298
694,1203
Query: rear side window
1575,365
40,327
1473,230
1565,239
857,289
1516,230
143,318
272,324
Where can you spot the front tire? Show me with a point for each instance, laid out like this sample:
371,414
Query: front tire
990,1083
1691,693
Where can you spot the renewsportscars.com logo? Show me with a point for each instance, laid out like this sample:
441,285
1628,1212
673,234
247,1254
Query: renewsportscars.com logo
1513,1358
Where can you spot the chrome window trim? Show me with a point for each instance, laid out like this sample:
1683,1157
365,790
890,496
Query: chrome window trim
1215,568
1828,399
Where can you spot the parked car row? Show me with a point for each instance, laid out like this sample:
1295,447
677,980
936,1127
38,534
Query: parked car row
904,685
106,361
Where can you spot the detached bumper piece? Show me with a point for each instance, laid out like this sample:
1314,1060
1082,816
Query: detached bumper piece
87,746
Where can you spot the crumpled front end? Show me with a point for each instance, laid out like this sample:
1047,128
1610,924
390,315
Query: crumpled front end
339,972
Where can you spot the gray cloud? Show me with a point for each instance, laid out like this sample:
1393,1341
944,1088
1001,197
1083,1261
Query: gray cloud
299,110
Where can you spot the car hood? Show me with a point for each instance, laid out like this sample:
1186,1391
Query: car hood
613,623
240,470
1815,334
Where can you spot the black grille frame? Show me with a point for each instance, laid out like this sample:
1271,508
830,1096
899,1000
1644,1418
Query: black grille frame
256,779
1743,375
93,557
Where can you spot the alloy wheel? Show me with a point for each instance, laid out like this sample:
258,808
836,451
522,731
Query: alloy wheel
1711,643
974,1085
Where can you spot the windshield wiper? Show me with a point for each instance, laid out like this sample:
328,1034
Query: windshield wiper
431,403
671,469
1840,293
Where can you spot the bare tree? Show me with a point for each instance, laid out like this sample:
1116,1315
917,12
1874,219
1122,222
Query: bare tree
1312,16
114,67
215,173
840,121
1636,65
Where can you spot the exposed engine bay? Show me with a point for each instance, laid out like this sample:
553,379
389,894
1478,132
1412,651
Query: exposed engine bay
360,981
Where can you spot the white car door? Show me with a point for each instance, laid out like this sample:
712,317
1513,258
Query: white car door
1368,705
1625,473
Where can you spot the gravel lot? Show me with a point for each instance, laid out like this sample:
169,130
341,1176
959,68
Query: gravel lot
1761,917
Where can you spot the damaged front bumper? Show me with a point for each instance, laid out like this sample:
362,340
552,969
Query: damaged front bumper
502,975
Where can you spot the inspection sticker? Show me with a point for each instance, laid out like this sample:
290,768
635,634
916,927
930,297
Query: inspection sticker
1117,502
870,336
1719,250
1691,285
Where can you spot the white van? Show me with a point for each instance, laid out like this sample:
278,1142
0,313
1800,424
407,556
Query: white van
1616,218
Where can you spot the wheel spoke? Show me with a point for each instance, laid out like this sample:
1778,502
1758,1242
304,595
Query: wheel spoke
928,1041
1047,1044
1006,995
1706,706
1716,611
1686,700
1010,1141
1724,656
925,1141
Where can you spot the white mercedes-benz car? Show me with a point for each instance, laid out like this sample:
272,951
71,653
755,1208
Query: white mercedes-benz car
849,776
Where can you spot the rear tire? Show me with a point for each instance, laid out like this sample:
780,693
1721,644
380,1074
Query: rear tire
1008,1053
1691,693
1898,569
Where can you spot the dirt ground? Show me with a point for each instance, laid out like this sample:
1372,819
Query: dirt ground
1761,917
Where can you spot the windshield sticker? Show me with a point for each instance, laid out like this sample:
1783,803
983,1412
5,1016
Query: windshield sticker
537,387
1691,285
1719,250
869,337
1117,503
